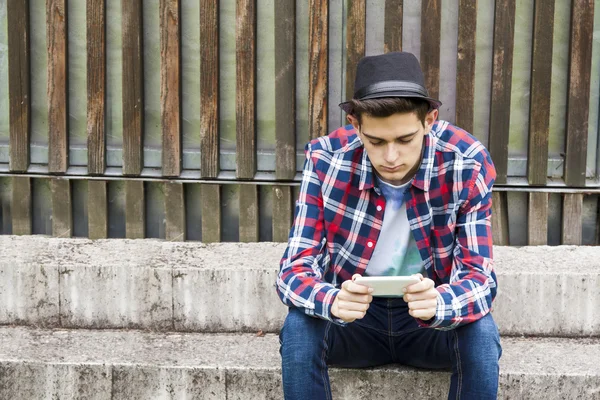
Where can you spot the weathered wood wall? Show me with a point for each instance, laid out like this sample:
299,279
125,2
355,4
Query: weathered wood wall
186,119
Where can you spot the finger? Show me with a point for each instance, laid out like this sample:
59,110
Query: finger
356,288
422,314
350,316
422,286
352,306
356,298
429,294
422,304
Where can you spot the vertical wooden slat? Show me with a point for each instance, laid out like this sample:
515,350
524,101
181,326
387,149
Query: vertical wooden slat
135,213
248,213
170,86
283,212
537,219
245,104
504,31
578,103
21,205
209,87
572,215
211,213
175,211
56,34
285,89
541,77
355,41
465,64
97,210
500,219
431,23
318,67
62,220
133,87
393,25
18,84
96,85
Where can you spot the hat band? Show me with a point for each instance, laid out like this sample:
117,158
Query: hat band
391,86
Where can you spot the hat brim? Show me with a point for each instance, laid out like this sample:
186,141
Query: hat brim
433,103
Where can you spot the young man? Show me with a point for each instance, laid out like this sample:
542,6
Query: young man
397,193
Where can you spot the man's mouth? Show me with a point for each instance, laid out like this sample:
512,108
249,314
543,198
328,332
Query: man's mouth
391,169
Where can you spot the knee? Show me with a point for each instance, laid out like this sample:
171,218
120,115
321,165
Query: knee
482,340
302,337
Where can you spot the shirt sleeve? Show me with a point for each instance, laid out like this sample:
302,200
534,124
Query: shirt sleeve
473,285
300,281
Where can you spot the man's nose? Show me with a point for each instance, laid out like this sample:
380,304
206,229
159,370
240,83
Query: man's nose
391,154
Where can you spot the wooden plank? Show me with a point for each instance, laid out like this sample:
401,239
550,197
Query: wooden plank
170,86
97,210
58,135
285,89
174,212
572,222
62,215
504,31
541,79
500,219
211,213
135,212
465,64
393,26
96,85
355,41
537,219
283,212
578,102
18,84
21,205
249,225
209,87
431,23
318,67
245,99
132,87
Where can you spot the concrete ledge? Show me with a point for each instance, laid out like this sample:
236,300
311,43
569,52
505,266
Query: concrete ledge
229,287
106,364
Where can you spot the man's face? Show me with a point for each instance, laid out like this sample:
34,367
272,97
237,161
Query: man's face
394,144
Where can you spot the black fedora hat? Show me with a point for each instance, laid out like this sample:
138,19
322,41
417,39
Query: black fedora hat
396,74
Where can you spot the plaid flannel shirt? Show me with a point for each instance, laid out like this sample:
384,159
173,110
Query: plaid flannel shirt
339,214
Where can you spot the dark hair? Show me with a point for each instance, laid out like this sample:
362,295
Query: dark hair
386,106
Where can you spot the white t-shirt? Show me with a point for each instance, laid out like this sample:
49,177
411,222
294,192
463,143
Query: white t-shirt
396,252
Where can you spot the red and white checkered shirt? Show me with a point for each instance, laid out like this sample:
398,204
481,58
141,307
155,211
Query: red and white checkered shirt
339,214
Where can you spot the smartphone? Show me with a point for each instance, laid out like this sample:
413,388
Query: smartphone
387,285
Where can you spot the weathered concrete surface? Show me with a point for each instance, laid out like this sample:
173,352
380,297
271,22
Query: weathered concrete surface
69,364
229,287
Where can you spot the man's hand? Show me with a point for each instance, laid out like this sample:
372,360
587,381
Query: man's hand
352,302
422,299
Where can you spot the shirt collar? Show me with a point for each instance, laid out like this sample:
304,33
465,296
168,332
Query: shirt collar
422,178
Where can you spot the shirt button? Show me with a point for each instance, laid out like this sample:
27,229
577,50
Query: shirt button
369,244
379,208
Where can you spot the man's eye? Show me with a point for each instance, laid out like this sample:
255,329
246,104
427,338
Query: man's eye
407,140
376,143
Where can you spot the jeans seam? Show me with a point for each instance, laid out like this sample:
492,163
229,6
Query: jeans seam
389,333
458,366
324,372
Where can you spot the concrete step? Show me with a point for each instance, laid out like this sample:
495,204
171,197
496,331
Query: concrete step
229,287
108,364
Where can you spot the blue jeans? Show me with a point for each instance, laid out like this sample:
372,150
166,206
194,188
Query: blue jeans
387,334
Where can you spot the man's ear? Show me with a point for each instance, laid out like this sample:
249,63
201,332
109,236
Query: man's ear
352,119
430,119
